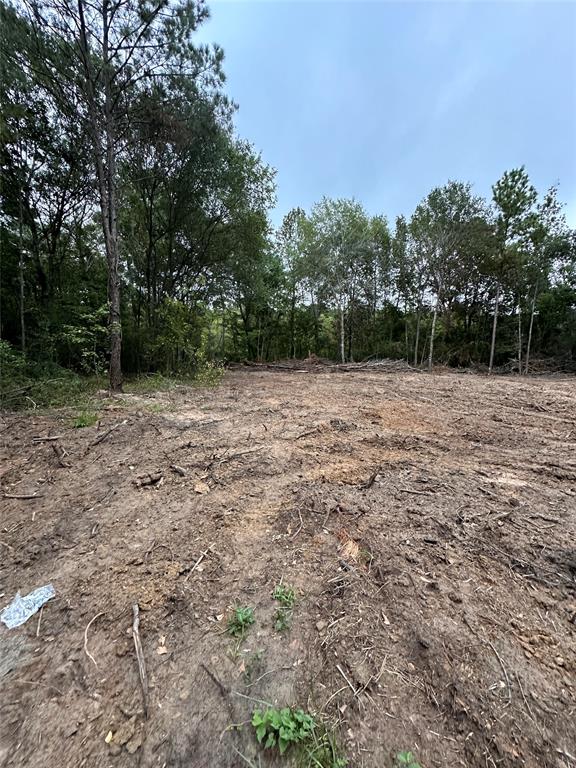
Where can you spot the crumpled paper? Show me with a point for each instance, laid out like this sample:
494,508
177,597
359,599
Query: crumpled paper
21,608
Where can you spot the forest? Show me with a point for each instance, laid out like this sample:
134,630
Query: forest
136,234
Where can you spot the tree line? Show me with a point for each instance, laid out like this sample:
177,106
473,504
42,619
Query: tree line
135,225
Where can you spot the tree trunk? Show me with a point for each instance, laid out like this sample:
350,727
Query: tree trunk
532,312
102,127
417,339
494,327
21,277
292,323
342,334
432,331
519,340
406,349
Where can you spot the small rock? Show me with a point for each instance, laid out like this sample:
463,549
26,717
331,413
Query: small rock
125,732
134,744
320,625
560,661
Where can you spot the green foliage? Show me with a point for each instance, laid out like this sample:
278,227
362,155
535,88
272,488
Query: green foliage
406,760
285,595
26,384
207,373
85,419
282,728
282,620
242,618
322,751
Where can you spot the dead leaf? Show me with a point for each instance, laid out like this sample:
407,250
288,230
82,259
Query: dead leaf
350,550
201,487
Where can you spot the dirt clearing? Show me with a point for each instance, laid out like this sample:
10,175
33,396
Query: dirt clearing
426,524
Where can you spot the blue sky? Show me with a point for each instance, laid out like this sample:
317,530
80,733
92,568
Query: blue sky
382,101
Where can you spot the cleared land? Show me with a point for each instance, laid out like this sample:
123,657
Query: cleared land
427,524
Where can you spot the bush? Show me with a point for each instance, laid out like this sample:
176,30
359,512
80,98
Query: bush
25,384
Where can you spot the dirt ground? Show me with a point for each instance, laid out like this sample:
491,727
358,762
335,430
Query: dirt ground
427,524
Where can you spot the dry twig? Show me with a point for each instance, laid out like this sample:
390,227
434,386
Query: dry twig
86,651
140,656
503,670
108,432
197,563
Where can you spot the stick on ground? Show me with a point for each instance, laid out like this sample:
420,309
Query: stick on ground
86,651
140,656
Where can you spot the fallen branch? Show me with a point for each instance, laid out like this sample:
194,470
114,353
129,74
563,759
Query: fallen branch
504,671
86,651
60,455
46,439
299,527
106,434
416,493
140,656
22,496
197,563
371,480
339,668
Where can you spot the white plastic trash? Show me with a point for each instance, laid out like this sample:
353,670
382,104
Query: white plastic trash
21,608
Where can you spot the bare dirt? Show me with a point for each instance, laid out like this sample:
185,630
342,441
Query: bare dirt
427,524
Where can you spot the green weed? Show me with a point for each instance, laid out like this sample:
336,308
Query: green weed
322,751
285,595
282,620
406,760
241,619
314,746
282,727
85,419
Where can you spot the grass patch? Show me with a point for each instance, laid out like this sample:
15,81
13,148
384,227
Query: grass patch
85,419
406,760
285,595
242,618
299,731
282,620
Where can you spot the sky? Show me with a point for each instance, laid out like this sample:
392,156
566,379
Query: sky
382,101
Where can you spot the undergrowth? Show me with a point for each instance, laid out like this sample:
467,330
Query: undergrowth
303,733
406,760
286,596
240,620
85,419
31,385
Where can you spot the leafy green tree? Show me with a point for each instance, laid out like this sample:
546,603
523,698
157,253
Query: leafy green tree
119,47
290,248
513,196
338,239
440,227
